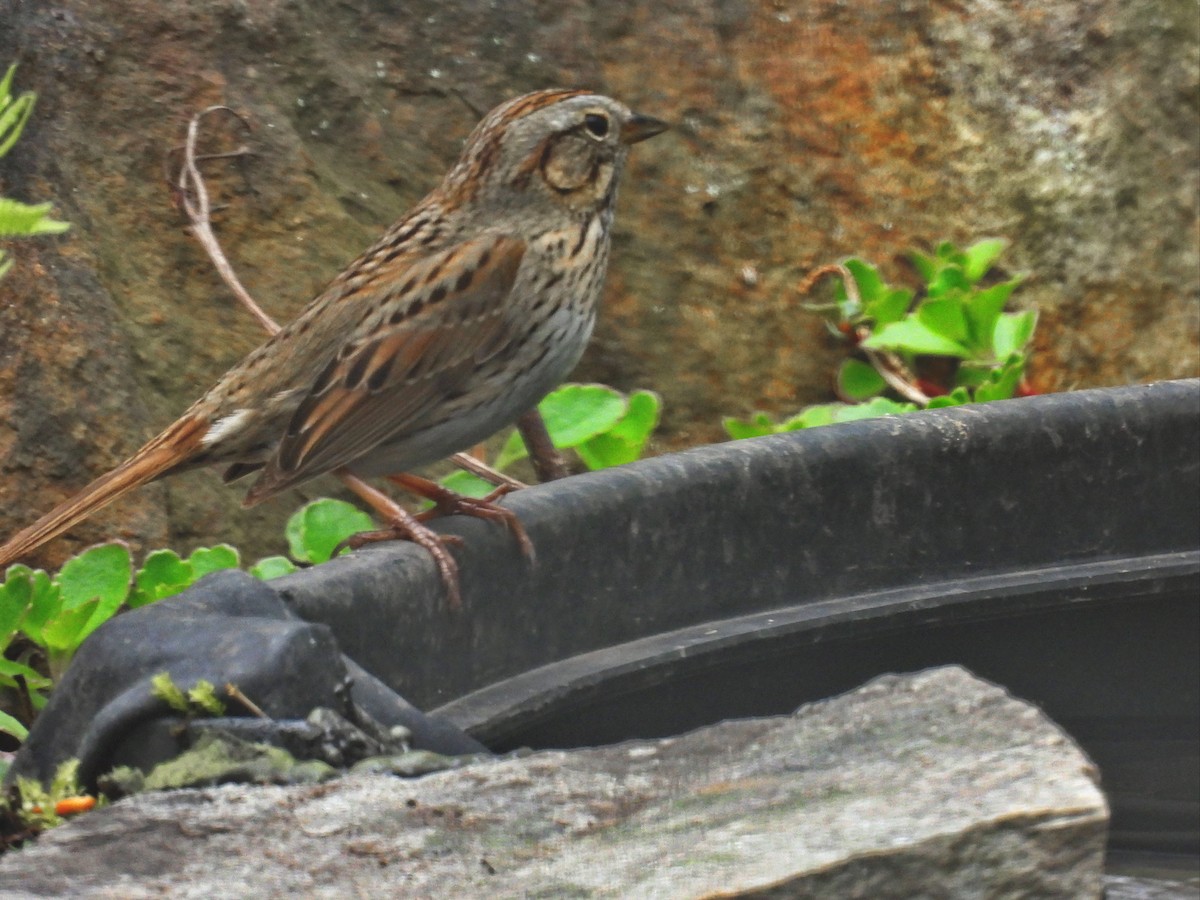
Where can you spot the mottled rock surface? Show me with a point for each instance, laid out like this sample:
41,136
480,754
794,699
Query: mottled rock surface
933,784
807,130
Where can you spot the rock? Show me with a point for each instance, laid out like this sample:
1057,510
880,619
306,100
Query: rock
932,784
806,132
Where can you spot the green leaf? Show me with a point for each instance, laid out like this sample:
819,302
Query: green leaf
912,336
316,529
957,397
945,317
866,277
45,598
165,689
1002,383
6,85
66,629
213,559
859,381
203,695
949,281
1012,333
983,308
889,308
978,258
627,439
13,113
24,220
272,567
757,425
10,669
15,595
812,417
163,574
971,375
513,450
926,266
9,725
822,414
878,406
467,484
576,412
99,573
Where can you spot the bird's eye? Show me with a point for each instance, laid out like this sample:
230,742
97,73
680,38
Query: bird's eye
596,124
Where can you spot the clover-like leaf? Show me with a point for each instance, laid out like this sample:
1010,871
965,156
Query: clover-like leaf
626,440
978,258
204,560
957,397
272,567
66,630
466,483
946,317
1002,383
512,450
99,573
859,381
913,336
984,308
163,574
315,530
812,417
874,408
11,726
866,277
950,280
758,425
576,412
45,599
15,594
1012,333
11,669
889,307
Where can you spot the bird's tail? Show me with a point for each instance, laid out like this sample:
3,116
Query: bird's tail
171,448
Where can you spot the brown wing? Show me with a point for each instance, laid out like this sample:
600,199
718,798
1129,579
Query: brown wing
448,317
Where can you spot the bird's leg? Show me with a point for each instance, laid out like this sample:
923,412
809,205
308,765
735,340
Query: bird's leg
402,524
547,461
447,503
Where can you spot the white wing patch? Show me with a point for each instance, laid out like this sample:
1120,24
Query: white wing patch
224,427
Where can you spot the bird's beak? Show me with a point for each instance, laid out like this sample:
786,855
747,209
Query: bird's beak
638,128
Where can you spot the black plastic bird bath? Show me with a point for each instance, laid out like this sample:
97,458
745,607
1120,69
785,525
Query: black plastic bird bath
1050,544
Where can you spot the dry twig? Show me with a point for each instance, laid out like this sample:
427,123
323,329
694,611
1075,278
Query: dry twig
889,366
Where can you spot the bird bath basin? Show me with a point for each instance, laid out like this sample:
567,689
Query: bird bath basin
1049,544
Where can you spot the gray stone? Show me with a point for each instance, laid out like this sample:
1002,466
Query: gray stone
932,784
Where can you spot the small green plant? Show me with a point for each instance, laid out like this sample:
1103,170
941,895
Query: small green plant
19,219
201,699
601,425
980,351
30,807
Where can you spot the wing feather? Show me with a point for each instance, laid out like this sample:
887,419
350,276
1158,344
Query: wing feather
391,381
